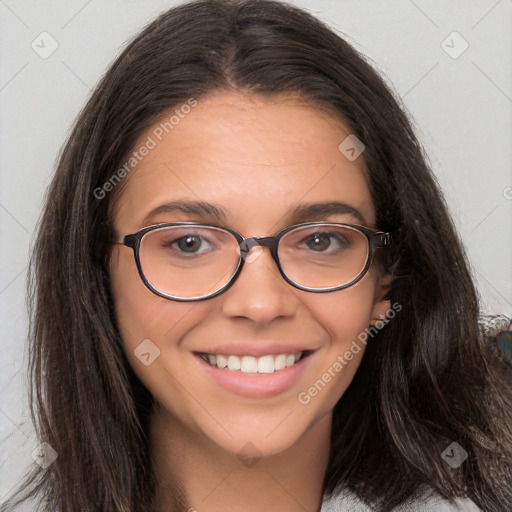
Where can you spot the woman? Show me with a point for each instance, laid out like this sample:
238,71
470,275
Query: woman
248,293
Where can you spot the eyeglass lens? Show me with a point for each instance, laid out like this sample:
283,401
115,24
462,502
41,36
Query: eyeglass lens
194,261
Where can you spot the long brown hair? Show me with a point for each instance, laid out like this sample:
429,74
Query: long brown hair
429,378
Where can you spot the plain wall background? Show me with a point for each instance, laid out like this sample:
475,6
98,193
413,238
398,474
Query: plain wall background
461,108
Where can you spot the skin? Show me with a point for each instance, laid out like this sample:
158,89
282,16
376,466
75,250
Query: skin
256,158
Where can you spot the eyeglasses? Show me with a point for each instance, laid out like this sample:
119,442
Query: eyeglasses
186,261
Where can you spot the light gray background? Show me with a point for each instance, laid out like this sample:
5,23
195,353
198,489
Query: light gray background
461,107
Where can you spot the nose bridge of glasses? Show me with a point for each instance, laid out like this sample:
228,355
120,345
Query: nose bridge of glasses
258,241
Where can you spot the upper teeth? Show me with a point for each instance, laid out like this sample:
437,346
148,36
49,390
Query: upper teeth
251,364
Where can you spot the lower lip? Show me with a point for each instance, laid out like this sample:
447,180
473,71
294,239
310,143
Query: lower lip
255,385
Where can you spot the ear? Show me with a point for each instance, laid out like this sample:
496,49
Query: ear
381,304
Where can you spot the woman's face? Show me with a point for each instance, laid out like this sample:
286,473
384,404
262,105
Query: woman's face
257,162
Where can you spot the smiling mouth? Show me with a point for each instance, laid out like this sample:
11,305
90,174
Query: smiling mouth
249,364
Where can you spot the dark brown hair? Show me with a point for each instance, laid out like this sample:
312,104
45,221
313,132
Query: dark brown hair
429,378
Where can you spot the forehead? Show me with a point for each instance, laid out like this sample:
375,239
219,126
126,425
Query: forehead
254,157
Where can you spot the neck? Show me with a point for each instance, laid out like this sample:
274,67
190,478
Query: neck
195,474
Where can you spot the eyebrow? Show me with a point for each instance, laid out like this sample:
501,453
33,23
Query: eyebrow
192,207
299,214
319,211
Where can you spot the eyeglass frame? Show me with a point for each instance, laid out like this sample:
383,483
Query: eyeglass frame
376,239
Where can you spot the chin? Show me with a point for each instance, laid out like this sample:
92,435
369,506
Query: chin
259,434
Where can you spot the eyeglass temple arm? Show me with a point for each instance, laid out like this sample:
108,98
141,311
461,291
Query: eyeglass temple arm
384,239
128,240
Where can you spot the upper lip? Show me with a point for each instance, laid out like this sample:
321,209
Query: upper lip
255,349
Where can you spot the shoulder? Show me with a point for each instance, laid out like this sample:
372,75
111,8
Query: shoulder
348,502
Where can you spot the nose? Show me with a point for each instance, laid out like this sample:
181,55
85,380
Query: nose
260,293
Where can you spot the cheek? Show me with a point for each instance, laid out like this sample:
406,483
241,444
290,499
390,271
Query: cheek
346,313
141,315
151,329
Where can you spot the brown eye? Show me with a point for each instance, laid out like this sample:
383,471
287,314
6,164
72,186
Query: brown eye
319,241
189,243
